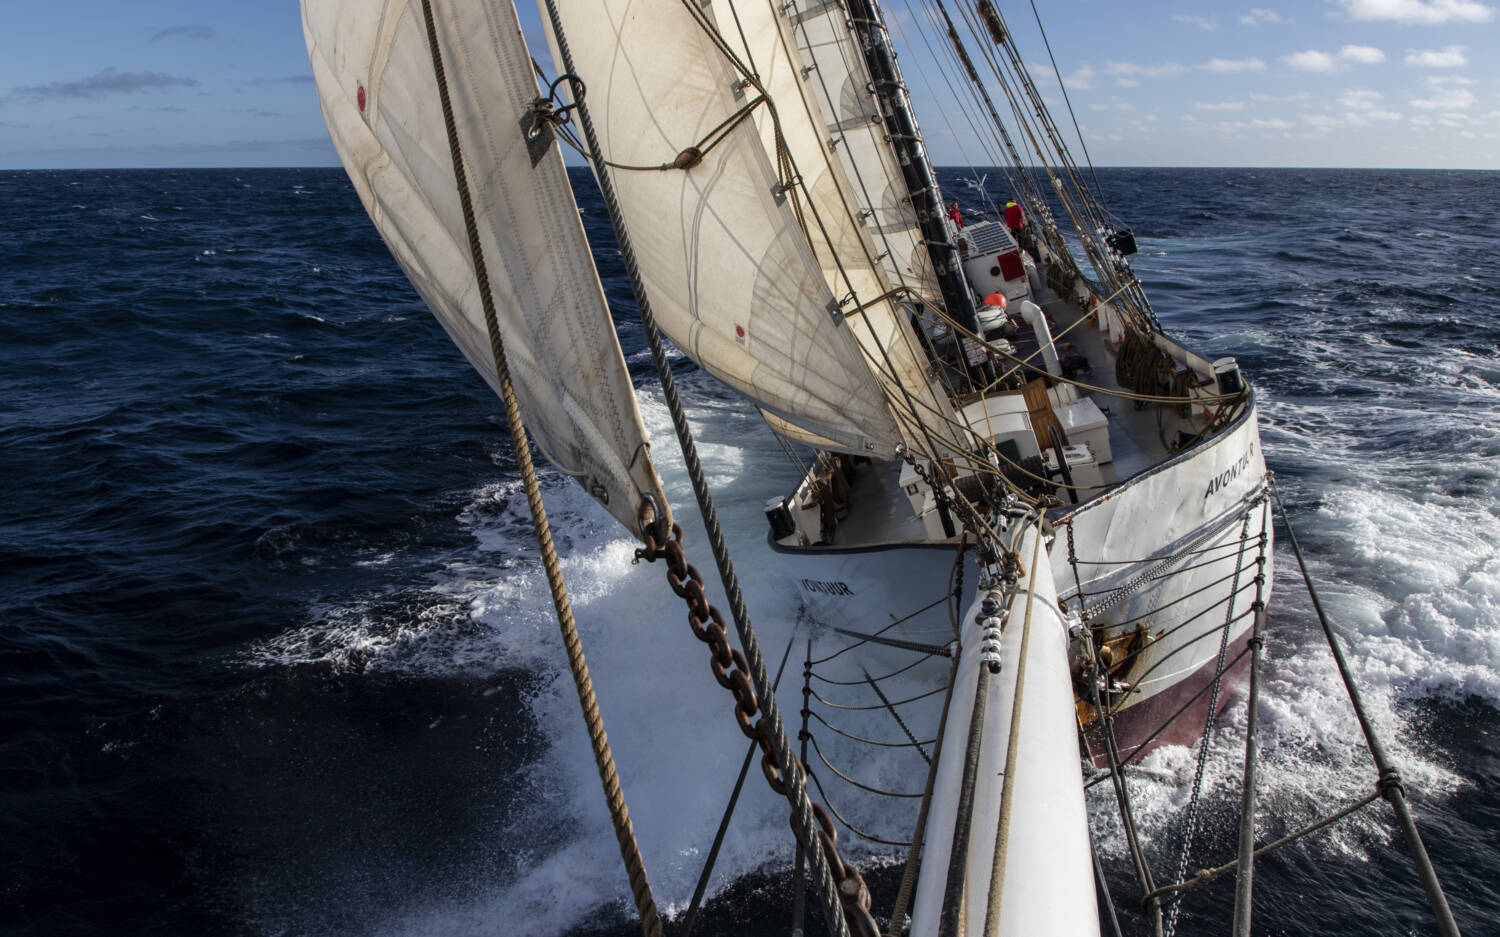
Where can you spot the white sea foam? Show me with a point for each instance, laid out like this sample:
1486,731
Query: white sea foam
1408,572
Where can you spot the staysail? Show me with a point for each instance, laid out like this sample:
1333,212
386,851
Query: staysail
374,72
723,258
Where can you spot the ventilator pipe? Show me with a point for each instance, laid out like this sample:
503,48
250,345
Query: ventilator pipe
1033,314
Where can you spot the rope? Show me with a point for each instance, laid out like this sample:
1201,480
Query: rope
1207,875
852,781
896,716
918,836
903,702
603,758
1012,747
862,834
1389,782
739,783
859,738
840,886
1208,728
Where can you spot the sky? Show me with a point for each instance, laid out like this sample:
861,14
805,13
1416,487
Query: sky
1343,83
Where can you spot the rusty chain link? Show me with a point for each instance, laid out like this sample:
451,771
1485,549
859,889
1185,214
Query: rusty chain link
732,673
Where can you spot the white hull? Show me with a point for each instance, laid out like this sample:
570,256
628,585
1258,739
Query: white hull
1196,501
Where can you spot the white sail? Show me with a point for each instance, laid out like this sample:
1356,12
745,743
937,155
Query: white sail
374,72
842,86
730,275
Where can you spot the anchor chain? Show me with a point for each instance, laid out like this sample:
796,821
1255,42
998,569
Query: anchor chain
731,671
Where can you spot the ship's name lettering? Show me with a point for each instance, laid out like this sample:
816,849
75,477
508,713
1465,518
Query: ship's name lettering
827,588
1221,481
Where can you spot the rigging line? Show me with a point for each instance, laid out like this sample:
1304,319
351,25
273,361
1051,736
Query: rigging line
1144,747
1136,582
953,91
845,650
1148,559
790,452
713,853
909,699
603,758
926,650
1127,814
859,784
1244,880
1216,629
942,652
919,835
1024,78
810,831
850,826
1205,876
1012,747
996,132
895,715
855,68
1152,613
690,156
1389,783
858,738
977,92
1087,233
1210,724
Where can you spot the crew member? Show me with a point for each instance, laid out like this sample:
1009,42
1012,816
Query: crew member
956,215
1015,220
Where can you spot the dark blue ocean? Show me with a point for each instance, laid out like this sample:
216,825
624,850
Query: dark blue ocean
276,656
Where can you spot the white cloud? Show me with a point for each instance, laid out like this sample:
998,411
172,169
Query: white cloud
1311,61
1314,60
1258,15
1362,55
1164,70
1360,99
1426,12
1448,94
1274,123
1447,57
1233,65
1082,79
1220,105
1127,83
1323,121
1202,22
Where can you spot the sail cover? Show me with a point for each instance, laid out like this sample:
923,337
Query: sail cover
760,38
729,272
841,82
374,71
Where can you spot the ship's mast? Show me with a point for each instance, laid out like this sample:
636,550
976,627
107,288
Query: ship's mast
906,139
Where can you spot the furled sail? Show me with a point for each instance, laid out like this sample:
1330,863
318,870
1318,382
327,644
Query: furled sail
728,269
376,82
759,37
841,83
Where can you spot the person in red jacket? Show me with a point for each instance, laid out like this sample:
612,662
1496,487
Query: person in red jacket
956,215
1015,217
1015,220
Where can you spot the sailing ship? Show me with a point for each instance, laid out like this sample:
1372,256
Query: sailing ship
1000,444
